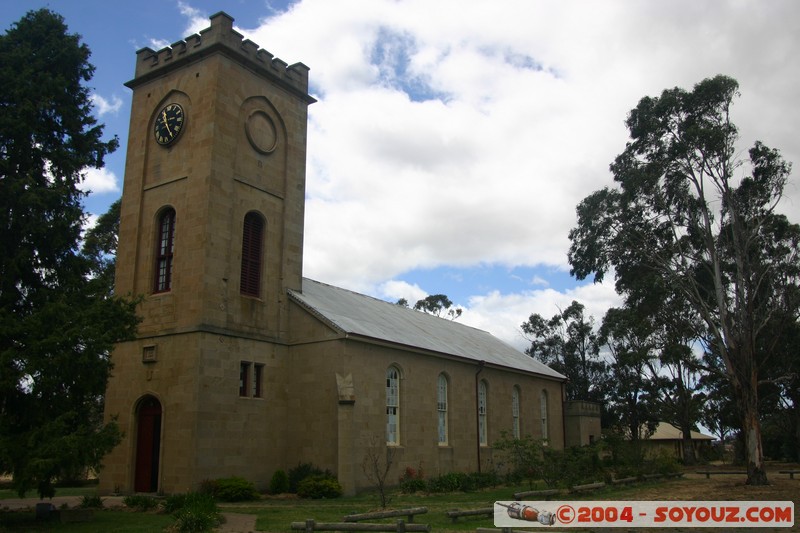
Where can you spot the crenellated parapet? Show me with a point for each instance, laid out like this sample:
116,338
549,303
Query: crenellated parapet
220,37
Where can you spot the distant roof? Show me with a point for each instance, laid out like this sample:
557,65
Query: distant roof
364,316
666,431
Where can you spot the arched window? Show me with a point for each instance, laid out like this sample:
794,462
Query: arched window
482,409
165,247
252,245
515,411
392,405
543,411
441,407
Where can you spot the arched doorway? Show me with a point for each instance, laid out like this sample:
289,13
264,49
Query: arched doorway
148,445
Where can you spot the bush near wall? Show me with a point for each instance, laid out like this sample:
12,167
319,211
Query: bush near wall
303,471
319,487
279,482
230,489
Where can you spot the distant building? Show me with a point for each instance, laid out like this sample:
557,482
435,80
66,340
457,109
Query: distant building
667,439
241,366
581,422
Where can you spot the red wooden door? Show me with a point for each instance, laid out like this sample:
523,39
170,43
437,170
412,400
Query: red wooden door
148,445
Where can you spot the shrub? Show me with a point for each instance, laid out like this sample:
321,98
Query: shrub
410,486
279,482
318,487
230,489
412,480
91,502
303,471
173,503
198,513
665,463
450,482
140,502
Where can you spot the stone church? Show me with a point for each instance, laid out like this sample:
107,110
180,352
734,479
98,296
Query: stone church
242,366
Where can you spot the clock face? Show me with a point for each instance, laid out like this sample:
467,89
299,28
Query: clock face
169,124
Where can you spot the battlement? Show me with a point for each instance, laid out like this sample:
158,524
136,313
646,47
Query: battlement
220,36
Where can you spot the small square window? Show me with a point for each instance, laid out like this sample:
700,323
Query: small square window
149,354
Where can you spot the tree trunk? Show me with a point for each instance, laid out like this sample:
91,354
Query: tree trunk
751,427
689,457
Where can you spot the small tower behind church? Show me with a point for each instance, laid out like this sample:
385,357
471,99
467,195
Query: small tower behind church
211,237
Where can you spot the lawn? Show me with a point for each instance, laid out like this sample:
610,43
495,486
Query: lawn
275,514
104,520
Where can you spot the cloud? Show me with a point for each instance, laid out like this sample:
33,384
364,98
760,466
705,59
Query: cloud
99,181
394,290
465,133
103,106
503,314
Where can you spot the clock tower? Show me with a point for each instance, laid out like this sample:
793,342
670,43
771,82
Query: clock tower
211,239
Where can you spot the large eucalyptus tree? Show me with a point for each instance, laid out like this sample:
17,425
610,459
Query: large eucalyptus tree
690,212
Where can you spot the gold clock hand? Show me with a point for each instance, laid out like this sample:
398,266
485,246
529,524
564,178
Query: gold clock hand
166,123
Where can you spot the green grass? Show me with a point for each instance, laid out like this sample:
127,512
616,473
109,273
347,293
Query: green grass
116,521
274,515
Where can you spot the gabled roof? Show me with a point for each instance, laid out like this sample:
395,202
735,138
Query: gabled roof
665,431
364,316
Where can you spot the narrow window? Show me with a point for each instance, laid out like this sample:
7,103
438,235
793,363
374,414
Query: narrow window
484,441
543,407
244,378
258,381
165,246
515,411
392,405
252,243
441,408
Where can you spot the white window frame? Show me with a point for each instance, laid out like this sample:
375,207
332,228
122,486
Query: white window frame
515,412
441,409
392,406
483,433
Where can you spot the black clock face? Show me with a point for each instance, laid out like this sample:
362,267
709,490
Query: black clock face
169,124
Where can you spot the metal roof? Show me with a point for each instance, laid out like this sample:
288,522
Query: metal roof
359,315
665,431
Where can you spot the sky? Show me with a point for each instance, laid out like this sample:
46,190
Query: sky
451,141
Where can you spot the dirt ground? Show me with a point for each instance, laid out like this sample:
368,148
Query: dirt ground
694,486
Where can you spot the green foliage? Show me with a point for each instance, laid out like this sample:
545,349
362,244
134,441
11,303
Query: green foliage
91,502
303,471
627,458
197,513
279,482
568,344
462,481
693,217
140,502
523,456
412,480
173,503
576,465
437,304
230,489
319,487
530,459
57,323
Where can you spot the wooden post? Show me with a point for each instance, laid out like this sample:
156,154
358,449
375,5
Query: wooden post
310,525
401,526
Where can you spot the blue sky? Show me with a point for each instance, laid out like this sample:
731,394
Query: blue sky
452,140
